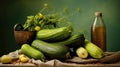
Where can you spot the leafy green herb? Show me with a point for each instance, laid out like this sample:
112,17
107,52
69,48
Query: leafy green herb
46,21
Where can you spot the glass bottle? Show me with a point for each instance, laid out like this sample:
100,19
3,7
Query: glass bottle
98,31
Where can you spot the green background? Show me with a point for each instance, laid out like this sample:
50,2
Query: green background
16,11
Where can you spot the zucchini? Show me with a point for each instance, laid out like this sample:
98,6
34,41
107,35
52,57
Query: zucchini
56,34
75,40
51,51
93,50
32,52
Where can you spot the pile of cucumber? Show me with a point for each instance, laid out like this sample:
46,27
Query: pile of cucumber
57,43
54,41
53,44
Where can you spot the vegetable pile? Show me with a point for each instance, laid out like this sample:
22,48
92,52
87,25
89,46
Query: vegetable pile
54,40
53,44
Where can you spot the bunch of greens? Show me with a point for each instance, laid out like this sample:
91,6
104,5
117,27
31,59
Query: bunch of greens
45,21
41,21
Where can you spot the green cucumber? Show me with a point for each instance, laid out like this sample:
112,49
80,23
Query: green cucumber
75,40
93,50
56,34
32,52
51,51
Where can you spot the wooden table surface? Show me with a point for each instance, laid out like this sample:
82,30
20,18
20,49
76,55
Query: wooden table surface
60,64
57,63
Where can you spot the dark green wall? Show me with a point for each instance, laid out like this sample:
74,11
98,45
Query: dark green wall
15,11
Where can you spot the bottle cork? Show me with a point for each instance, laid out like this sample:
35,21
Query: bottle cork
98,14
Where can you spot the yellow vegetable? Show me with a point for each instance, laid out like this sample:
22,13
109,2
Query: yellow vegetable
24,59
6,59
37,28
22,55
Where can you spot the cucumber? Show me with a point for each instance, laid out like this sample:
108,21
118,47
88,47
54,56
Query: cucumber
56,34
32,52
93,50
75,40
51,51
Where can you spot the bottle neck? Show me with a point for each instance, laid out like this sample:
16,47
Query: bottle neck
98,21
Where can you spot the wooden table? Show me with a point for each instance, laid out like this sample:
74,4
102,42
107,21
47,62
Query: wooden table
57,63
61,64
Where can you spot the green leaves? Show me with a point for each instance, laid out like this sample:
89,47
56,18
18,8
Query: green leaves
29,22
40,20
49,20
